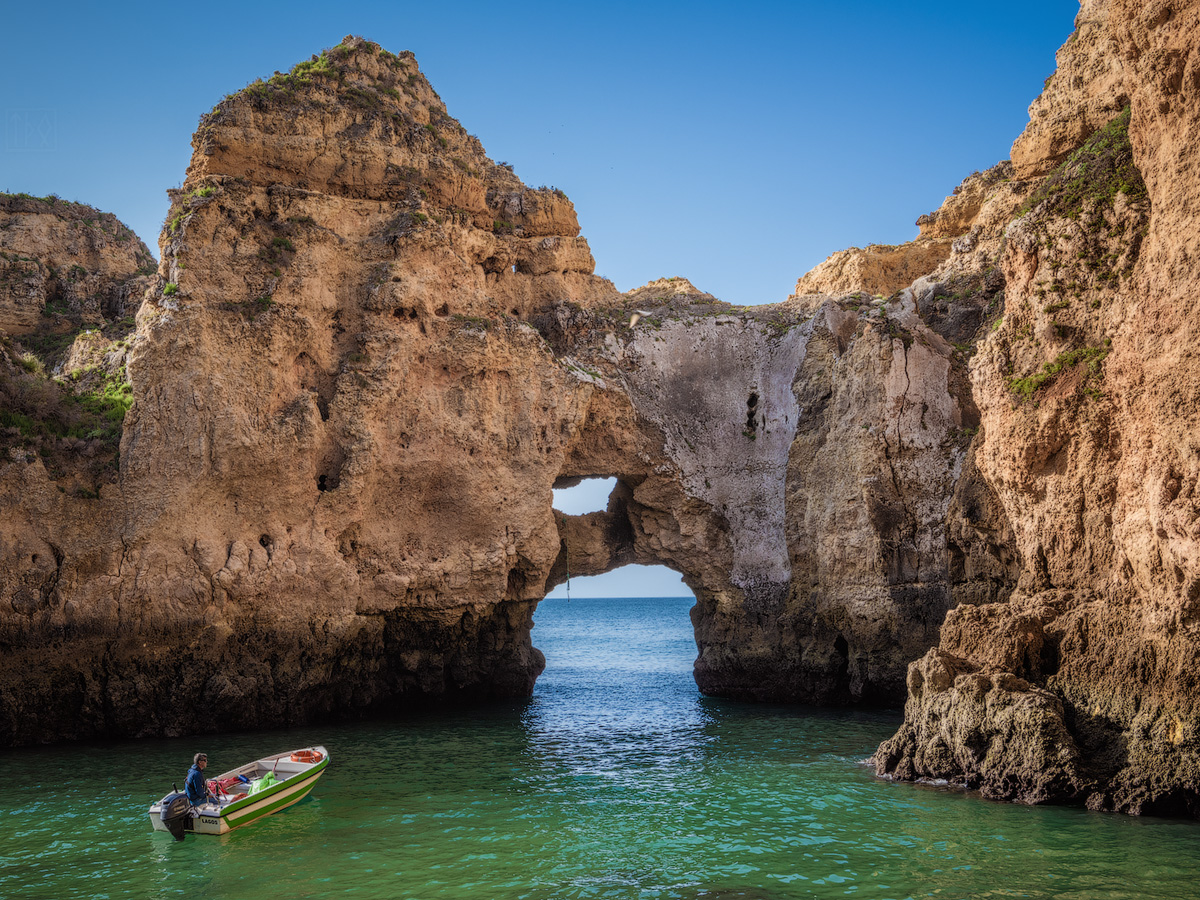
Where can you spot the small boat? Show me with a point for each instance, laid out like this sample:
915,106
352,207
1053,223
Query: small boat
243,795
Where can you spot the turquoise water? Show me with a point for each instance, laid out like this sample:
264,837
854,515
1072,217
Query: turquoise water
616,780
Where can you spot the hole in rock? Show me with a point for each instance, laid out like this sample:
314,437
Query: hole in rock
628,581
752,411
841,647
348,542
578,496
265,541
329,472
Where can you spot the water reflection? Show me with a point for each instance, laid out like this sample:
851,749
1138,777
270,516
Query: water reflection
616,780
617,699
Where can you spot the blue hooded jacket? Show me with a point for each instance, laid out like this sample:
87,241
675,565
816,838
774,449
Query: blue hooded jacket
196,787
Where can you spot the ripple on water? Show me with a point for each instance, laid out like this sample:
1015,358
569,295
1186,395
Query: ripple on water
616,780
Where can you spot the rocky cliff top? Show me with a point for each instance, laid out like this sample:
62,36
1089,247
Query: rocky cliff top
71,278
1089,86
64,263
357,124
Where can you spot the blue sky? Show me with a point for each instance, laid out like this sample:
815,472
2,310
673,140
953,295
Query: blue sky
735,144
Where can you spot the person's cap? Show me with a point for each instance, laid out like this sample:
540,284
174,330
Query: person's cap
200,756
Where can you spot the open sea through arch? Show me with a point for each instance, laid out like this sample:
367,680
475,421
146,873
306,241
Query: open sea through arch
616,780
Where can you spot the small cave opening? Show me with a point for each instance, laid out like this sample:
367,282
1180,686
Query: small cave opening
841,649
752,411
329,471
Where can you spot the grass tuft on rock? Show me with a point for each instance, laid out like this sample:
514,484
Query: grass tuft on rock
1099,170
1029,385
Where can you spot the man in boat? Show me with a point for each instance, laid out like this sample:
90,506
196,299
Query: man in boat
196,787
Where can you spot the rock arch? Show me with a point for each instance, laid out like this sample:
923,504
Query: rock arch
794,462
795,469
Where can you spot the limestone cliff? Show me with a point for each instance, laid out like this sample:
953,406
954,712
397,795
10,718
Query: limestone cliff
64,264
1082,687
875,269
369,356
1090,85
335,476
71,278
795,467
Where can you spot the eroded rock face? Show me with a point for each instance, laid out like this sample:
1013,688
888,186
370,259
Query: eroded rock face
335,478
801,471
959,237
1090,85
1086,394
63,262
875,269
71,278
370,355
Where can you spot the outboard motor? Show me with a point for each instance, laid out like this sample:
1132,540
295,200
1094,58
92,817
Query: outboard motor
177,813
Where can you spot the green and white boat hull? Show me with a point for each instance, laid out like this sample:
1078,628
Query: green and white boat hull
295,781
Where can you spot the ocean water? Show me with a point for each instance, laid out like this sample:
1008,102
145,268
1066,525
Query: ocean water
616,780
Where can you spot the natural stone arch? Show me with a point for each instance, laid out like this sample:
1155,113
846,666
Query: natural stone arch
797,470
631,532
794,462
649,521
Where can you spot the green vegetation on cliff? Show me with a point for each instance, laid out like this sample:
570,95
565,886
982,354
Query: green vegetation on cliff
1029,385
72,423
1095,173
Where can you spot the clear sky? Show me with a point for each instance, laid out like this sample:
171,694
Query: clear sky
734,143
